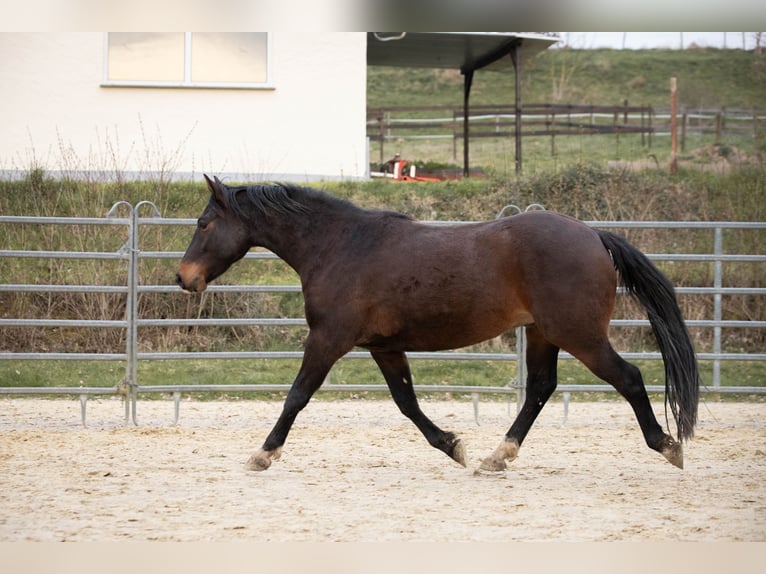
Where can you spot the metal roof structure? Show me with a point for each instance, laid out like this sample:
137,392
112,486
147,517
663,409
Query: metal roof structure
455,50
464,51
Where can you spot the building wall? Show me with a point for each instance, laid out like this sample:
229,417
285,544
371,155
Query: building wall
56,114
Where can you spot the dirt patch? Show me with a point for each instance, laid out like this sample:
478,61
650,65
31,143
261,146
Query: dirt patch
358,471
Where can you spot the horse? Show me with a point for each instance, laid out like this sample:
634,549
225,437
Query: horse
381,281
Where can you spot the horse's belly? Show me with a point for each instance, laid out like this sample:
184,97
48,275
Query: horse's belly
443,332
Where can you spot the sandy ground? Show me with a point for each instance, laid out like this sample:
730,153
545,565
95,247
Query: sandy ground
358,471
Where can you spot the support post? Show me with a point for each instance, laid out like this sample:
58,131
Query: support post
467,83
516,58
673,128
521,367
131,370
717,304
128,250
83,405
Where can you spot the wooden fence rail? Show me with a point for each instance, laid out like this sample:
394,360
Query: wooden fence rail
546,119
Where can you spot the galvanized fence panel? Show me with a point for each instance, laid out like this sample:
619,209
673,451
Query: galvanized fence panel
131,254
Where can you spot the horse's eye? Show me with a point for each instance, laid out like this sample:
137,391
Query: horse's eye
203,225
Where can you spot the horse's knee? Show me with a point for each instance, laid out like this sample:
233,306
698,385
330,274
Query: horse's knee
296,401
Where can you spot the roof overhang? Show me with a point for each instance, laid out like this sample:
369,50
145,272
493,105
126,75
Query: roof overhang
456,50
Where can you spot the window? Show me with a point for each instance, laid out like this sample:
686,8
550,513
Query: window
186,59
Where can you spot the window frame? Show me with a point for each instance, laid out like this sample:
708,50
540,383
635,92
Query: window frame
187,81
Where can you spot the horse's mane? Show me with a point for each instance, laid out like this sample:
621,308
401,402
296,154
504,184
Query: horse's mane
281,198
286,198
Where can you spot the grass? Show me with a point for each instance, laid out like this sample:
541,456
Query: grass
706,78
347,371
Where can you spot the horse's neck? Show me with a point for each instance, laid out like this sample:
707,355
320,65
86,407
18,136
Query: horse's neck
301,239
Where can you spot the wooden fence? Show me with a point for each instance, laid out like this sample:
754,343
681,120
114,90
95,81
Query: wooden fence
554,120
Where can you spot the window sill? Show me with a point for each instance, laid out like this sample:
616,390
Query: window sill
187,85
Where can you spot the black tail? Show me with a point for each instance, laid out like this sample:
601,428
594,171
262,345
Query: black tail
655,292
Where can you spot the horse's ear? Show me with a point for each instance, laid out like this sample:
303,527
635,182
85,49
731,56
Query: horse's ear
216,188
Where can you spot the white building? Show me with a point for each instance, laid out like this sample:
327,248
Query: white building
279,106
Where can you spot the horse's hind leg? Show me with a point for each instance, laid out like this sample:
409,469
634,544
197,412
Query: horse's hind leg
396,371
542,357
626,378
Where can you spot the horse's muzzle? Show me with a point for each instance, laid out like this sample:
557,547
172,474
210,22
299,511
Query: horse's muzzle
180,282
189,278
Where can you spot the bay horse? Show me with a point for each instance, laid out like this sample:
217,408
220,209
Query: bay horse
381,281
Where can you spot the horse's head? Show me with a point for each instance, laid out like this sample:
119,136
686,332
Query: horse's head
220,240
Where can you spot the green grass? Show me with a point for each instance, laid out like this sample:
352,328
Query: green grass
706,78
257,372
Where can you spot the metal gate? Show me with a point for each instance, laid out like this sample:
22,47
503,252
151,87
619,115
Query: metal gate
131,254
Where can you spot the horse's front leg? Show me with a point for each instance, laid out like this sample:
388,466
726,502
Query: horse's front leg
318,358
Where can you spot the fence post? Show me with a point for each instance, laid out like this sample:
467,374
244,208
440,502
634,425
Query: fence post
132,368
718,127
673,125
454,134
131,314
552,127
521,367
717,306
130,302
383,119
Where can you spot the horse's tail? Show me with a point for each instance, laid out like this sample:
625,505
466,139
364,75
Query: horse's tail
655,292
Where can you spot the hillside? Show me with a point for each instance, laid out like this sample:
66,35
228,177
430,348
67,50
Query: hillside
706,78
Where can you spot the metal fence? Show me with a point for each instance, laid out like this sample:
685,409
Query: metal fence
131,253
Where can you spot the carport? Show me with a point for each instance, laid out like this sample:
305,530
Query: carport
465,51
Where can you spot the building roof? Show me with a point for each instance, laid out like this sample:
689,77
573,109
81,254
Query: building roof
456,50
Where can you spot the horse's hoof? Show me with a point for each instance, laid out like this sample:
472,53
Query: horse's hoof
674,452
495,463
257,463
491,465
260,460
458,452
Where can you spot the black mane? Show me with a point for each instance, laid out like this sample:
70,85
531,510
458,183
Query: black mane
284,199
